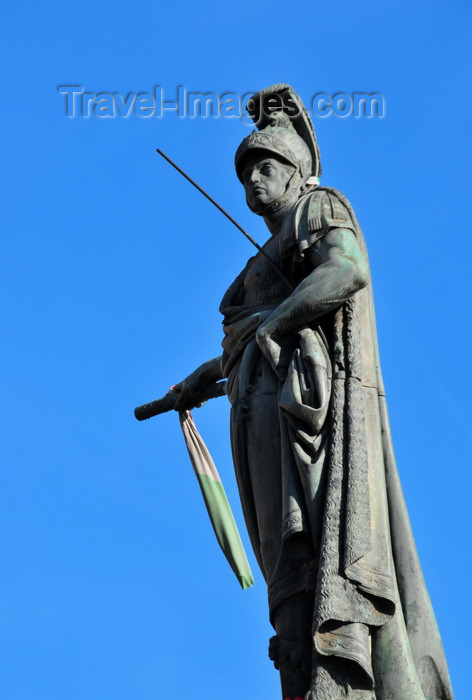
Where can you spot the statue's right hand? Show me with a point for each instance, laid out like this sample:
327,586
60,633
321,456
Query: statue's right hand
188,390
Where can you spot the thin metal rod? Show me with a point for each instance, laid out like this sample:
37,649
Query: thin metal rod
228,216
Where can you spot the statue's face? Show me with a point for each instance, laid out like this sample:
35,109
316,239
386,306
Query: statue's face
265,180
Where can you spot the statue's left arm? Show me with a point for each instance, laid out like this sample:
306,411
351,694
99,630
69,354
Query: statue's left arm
340,271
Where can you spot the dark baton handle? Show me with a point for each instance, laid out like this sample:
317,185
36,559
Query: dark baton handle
148,410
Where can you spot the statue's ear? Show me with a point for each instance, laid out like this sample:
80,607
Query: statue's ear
283,98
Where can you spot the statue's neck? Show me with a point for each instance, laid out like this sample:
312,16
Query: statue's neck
274,221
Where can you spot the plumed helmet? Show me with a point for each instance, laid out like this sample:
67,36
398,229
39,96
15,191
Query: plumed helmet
278,139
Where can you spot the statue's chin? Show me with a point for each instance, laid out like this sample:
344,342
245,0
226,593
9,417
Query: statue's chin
257,206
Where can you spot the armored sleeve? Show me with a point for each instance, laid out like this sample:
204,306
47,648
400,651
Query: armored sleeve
324,210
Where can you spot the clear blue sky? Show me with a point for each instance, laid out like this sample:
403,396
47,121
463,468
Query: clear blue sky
112,585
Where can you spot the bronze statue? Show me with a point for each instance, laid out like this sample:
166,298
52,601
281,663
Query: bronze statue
310,436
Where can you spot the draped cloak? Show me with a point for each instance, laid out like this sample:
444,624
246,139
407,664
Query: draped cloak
317,476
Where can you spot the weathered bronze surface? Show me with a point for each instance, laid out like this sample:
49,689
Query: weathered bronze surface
310,436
